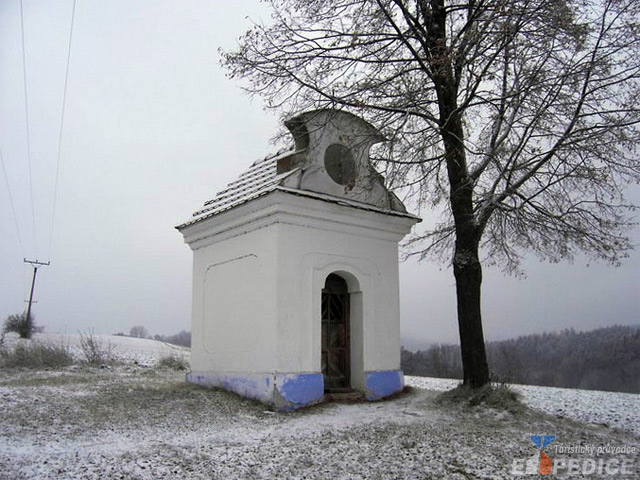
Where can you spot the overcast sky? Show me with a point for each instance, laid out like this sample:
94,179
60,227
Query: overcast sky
152,129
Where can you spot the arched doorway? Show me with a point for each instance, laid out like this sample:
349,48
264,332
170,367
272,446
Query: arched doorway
335,353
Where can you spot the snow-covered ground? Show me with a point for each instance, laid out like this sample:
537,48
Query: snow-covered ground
620,410
134,421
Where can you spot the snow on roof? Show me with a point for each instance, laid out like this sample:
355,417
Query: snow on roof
329,162
261,178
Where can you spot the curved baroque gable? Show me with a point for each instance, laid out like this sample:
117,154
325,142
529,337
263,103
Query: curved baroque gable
332,157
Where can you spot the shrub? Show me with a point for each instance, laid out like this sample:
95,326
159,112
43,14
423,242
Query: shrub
94,350
20,324
36,355
173,362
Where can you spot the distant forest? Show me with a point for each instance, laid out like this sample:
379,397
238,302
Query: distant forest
603,359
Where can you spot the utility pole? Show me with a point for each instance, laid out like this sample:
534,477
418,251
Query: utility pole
35,264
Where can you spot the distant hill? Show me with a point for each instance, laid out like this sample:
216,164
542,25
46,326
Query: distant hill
602,359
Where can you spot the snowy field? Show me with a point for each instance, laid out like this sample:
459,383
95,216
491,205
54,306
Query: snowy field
620,410
136,421
142,351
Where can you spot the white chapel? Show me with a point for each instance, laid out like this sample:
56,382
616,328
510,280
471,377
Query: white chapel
295,271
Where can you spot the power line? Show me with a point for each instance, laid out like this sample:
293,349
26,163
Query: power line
13,208
26,114
64,103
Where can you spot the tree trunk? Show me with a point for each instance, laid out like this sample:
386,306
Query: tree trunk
468,273
466,264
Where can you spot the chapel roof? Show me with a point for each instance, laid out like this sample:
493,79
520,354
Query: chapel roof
299,172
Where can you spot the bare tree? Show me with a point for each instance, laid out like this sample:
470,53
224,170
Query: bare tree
517,119
138,331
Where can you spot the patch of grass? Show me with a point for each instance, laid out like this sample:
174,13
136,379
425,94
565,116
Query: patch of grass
163,400
173,362
36,355
497,396
56,381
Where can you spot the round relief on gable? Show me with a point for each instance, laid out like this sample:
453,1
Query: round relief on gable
339,164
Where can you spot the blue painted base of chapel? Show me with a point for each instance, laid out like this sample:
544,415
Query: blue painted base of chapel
383,383
284,391
290,391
